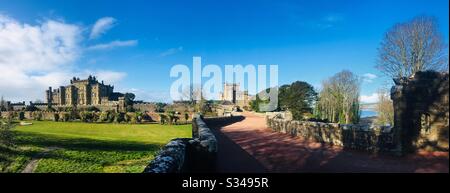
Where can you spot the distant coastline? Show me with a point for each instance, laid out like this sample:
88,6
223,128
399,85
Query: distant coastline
368,113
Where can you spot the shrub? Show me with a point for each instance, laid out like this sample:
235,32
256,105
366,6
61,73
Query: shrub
64,116
37,115
111,117
86,116
92,109
6,135
119,117
138,116
104,116
130,108
68,109
163,119
55,117
127,117
95,116
50,109
21,115
186,117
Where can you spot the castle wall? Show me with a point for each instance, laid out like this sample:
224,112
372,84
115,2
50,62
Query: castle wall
351,136
421,111
82,92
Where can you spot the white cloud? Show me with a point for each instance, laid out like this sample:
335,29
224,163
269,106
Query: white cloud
329,21
110,77
369,77
42,47
171,51
151,96
332,18
113,44
101,26
34,57
373,98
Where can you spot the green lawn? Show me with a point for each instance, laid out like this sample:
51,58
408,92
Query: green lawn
87,147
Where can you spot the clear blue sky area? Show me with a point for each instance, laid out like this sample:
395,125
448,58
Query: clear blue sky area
309,40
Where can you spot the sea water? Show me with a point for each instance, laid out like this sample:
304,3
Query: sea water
368,113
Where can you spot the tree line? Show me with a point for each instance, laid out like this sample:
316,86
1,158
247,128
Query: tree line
337,101
407,48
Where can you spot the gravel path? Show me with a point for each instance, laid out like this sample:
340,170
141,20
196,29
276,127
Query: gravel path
31,166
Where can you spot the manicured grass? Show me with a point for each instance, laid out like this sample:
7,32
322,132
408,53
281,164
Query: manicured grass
88,147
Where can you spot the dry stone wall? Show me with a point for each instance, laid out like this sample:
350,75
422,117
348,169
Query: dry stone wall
352,136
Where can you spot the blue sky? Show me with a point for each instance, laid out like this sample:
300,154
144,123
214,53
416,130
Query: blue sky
141,40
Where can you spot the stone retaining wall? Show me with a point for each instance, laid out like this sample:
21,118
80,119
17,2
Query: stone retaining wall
196,154
170,159
46,115
368,138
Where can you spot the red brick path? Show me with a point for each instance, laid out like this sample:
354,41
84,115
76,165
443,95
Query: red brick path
279,152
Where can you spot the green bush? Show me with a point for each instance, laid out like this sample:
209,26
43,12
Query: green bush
50,109
104,116
119,117
127,117
92,109
138,116
86,116
95,116
163,119
186,117
111,117
130,108
55,117
21,115
64,116
37,115
6,135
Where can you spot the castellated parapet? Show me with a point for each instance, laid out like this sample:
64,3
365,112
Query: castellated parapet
86,92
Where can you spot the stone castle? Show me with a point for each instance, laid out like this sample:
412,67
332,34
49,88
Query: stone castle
86,92
232,93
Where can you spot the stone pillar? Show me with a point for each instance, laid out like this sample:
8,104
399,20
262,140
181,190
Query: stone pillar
398,98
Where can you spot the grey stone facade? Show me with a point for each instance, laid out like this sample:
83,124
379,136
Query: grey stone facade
87,92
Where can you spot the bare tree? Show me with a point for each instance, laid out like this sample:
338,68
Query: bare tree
385,108
192,93
339,98
412,46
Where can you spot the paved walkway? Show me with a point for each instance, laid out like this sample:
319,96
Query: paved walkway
247,145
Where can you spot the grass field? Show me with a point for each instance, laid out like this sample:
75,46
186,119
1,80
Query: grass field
87,147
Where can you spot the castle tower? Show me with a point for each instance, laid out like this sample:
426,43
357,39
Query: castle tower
49,95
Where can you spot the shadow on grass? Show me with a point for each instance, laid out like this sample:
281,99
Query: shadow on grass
43,140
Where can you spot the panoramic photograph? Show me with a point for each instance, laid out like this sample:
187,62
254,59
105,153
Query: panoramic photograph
224,87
